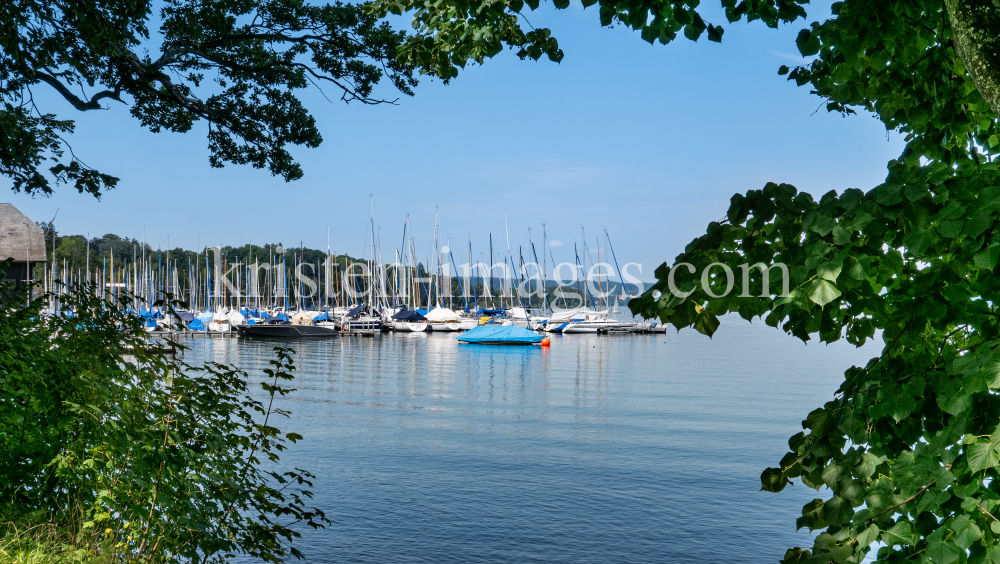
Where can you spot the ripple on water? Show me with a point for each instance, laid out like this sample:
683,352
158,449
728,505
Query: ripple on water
643,448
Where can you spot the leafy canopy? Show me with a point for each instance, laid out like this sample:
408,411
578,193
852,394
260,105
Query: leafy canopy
234,64
909,447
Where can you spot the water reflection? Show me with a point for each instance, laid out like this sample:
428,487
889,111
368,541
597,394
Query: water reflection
602,449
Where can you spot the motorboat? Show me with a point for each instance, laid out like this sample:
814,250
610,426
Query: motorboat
276,327
359,320
584,320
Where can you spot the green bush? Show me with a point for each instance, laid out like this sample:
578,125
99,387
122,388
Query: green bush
162,461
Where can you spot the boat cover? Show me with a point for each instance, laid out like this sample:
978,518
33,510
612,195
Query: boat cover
408,315
325,316
196,325
512,334
442,314
492,311
356,310
185,316
302,318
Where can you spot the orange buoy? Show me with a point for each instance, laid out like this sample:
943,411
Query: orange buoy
546,342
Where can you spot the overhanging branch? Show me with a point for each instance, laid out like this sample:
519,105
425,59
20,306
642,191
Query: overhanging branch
76,101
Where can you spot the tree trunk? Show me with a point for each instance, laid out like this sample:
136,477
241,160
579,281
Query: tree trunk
975,26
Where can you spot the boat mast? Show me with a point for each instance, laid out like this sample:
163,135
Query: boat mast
492,289
527,318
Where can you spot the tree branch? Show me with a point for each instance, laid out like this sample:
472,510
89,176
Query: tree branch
78,103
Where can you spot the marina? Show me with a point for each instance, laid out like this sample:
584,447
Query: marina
306,293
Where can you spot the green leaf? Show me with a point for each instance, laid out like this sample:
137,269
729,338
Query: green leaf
773,480
868,536
919,240
829,270
808,43
822,292
837,511
982,456
966,531
955,402
987,258
950,229
715,33
941,552
860,267
692,32
901,533
706,323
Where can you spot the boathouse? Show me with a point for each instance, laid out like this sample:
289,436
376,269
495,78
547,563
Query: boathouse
22,240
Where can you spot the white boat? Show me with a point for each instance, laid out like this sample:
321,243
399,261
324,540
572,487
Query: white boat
220,321
409,321
587,321
359,320
444,319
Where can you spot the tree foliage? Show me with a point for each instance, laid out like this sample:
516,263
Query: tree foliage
235,65
165,461
909,447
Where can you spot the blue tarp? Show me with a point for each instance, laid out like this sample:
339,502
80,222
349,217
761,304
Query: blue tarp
356,310
409,315
186,316
276,319
500,335
421,311
492,311
325,316
196,325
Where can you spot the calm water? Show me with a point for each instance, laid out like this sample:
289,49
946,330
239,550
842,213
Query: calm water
602,449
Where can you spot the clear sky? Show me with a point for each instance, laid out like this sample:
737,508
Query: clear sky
647,141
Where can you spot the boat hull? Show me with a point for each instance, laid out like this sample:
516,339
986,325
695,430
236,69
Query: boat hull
285,331
446,326
410,326
505,343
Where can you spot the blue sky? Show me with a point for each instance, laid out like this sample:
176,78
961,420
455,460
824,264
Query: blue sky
647,141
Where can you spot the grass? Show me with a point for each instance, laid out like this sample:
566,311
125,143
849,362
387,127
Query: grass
23,540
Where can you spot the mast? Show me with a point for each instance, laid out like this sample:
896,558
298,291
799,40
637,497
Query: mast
492,289
437,256
527,318
600,286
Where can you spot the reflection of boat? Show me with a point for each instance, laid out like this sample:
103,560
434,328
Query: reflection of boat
284,329
500,335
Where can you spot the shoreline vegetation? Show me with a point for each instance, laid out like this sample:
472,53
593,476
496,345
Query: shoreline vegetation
112,453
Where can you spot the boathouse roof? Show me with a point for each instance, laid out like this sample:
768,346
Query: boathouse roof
20,238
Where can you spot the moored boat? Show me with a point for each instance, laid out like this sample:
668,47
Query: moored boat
500,335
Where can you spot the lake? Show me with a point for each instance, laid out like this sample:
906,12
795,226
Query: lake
601,449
